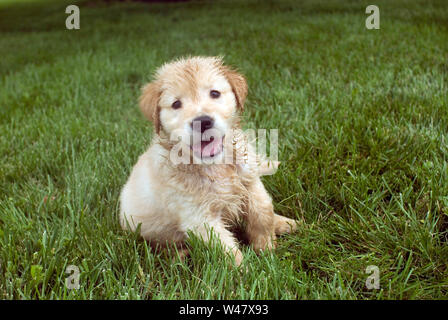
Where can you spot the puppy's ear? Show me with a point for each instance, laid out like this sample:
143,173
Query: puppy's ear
239,85
149,103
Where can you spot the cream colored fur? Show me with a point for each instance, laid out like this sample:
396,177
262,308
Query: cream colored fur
168,199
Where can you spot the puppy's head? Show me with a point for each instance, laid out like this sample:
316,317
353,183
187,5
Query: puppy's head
195,97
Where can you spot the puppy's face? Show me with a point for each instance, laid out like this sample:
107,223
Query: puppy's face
196,99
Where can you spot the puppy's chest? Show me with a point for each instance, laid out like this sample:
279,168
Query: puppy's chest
224,180
226,197
224,186
221,191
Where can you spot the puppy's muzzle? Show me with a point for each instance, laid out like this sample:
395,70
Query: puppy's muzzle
202,123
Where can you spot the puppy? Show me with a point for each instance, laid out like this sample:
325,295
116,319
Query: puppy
185,186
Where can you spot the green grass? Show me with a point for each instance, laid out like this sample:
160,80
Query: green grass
363,118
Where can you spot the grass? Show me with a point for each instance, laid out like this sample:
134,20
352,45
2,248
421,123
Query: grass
363,118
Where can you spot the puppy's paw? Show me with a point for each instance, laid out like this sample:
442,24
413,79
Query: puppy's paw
263,242
237,256
182,254
284,224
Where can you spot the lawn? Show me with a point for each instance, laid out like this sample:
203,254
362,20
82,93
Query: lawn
363,134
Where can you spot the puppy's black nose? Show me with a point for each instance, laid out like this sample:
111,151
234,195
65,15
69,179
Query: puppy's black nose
202,123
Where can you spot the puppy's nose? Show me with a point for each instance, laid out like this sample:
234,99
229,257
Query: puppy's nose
202,123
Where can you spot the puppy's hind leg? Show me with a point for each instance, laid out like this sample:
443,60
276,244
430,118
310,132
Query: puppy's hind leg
260,217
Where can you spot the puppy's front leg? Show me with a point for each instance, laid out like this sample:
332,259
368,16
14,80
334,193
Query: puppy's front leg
260,217
225,237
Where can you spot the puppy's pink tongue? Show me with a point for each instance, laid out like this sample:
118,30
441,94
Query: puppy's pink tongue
208,148
212,148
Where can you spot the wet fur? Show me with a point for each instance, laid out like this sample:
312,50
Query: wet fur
169,200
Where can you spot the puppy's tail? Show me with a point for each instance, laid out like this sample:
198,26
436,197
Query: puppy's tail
267,167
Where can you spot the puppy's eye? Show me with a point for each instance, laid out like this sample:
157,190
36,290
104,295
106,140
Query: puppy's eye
215,94
176,104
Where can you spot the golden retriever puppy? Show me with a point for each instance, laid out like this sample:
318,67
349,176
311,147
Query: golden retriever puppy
190,179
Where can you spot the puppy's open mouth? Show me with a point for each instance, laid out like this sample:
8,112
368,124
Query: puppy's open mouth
208,149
